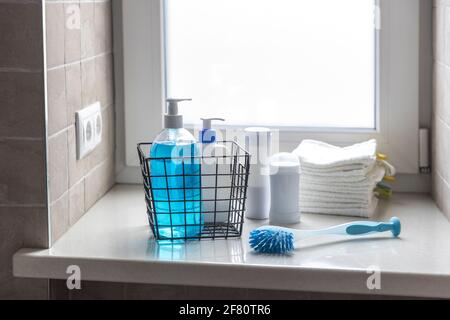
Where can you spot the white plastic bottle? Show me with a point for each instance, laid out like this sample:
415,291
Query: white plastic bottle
258,141
216,175
284,189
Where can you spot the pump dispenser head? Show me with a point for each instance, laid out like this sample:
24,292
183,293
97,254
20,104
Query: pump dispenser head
208,135
173,120
207,123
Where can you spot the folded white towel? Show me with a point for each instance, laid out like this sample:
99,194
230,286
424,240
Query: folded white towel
340,181
362,181
342,189
349,170
339,172
344,197
363,212
321,155
337,205
346,168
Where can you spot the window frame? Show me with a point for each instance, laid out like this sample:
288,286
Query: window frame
144,83
285,130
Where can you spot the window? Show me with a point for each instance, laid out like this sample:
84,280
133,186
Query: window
339,81
277,63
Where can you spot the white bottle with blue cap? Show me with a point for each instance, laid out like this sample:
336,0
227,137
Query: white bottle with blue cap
208,135
216,175
175,178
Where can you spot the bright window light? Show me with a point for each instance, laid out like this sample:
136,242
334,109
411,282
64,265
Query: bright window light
278,63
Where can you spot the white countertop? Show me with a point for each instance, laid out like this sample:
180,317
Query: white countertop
112,242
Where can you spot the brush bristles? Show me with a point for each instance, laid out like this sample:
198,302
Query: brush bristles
272,241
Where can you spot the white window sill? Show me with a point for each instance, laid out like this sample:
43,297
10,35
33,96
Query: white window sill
112,243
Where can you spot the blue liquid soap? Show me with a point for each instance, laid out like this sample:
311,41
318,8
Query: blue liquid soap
176,192
176,180
177,199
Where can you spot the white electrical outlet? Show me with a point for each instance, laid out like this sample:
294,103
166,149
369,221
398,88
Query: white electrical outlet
89,124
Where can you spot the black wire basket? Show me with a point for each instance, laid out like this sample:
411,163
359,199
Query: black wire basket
196,197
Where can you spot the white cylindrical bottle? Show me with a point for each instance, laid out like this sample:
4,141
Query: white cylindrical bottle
258,142
216,175
284,185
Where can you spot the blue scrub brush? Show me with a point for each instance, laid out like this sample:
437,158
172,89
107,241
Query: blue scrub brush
277,240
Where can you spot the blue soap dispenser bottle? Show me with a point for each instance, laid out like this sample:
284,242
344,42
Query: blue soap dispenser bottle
176,180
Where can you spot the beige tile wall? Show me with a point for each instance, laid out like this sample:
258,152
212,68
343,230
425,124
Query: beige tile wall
80,72
441,105
23,189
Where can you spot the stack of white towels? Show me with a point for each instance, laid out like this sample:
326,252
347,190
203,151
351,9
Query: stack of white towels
340,181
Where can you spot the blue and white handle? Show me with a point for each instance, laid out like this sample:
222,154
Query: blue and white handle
359,228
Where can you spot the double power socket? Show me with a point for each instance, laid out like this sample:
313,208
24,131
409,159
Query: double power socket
89,127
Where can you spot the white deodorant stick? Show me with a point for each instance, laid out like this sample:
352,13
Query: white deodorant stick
258,142
284,188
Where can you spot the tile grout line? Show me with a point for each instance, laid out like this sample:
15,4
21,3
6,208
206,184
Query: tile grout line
30,139
74,1
77,62
46,126
90,172
66,107
31,205
20,70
